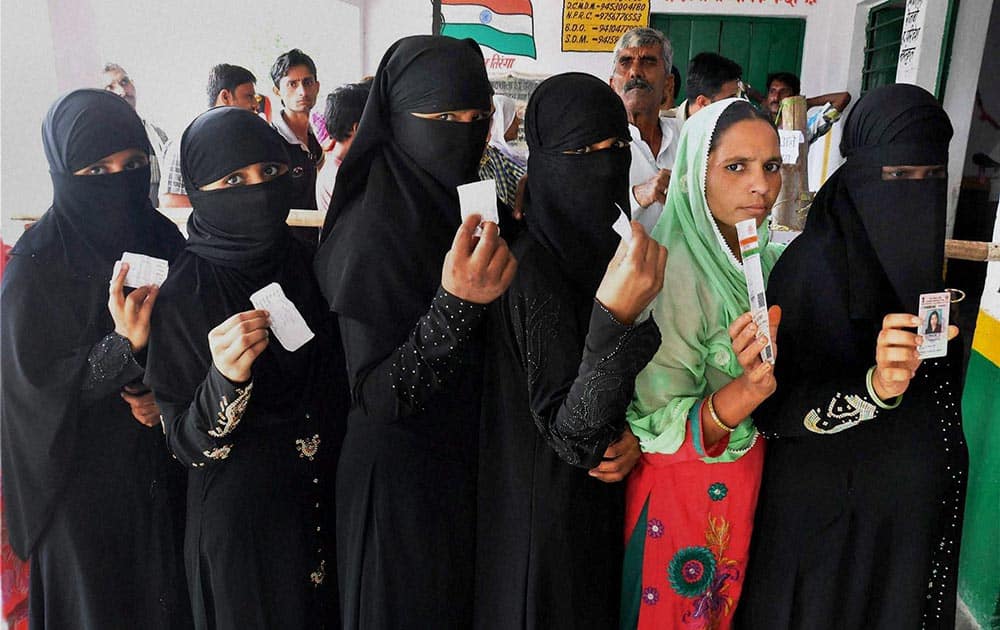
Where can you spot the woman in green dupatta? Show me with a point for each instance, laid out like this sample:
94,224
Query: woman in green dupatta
690,501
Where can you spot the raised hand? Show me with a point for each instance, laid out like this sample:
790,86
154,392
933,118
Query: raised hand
757,380
237,342
131,314
478,270
634,276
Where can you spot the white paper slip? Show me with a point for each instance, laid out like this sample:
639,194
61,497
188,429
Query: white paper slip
791,140
622,226
746,232
479,198
287,322
933,314
142,270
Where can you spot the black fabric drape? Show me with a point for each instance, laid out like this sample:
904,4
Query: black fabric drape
598,181
858,527
559,374
406,480
395,208
261,456
86,487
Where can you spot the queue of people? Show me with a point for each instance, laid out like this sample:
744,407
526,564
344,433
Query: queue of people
537,423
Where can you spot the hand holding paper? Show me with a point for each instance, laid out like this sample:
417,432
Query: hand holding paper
634,276
131,313
237,342
143,270
286,321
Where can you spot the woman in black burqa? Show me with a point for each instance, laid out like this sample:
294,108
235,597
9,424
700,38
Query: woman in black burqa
257,426
409,310
560,369
860,510
87,481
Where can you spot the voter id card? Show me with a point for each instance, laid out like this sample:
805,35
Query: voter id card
746,232
933,314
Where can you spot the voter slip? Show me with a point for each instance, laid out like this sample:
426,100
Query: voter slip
622,226
286,321
479,198
746,232
142,270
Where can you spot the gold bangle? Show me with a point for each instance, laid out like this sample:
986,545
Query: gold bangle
715,416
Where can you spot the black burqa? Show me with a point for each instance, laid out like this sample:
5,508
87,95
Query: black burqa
560,372
86,487
259,535
406,481
858,526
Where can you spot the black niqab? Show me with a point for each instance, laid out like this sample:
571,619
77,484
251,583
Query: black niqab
242,227
238,243
895,228
395,209
571,201
54,297
93,219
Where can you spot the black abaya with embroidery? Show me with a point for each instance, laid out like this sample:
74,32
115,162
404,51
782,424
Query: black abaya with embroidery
90,494
859,519
560,371
406,479
261,455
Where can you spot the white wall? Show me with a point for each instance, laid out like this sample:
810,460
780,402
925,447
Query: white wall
983,137
167,48
959,96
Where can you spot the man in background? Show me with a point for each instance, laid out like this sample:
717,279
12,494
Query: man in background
115,79
781,85
228,85
711,78
295,83
343,113
640,75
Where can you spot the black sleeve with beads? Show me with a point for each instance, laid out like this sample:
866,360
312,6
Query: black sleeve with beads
399,385
110,365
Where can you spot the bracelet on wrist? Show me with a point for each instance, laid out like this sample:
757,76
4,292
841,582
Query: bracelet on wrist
881,404
715,417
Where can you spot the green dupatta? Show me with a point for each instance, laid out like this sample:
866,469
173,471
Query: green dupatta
703,292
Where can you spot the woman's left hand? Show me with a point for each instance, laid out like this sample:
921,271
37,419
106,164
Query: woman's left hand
143,405
619,459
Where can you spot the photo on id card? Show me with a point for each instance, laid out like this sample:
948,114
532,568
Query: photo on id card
933,314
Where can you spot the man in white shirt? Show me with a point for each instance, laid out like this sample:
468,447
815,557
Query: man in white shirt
640,75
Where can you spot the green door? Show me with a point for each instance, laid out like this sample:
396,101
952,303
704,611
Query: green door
760,45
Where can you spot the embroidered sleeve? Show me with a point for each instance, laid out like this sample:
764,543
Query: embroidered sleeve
578,396
842,412
202,433
110,365
808,403
401,384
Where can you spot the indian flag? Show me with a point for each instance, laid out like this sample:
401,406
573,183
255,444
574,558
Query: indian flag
979,567
506,26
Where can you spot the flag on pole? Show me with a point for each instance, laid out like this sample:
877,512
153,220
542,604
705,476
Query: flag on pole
506,26
979,566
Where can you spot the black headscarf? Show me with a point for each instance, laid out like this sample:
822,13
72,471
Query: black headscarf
395,209
571,201
93,219
241,227
238,243
895,228
54,297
